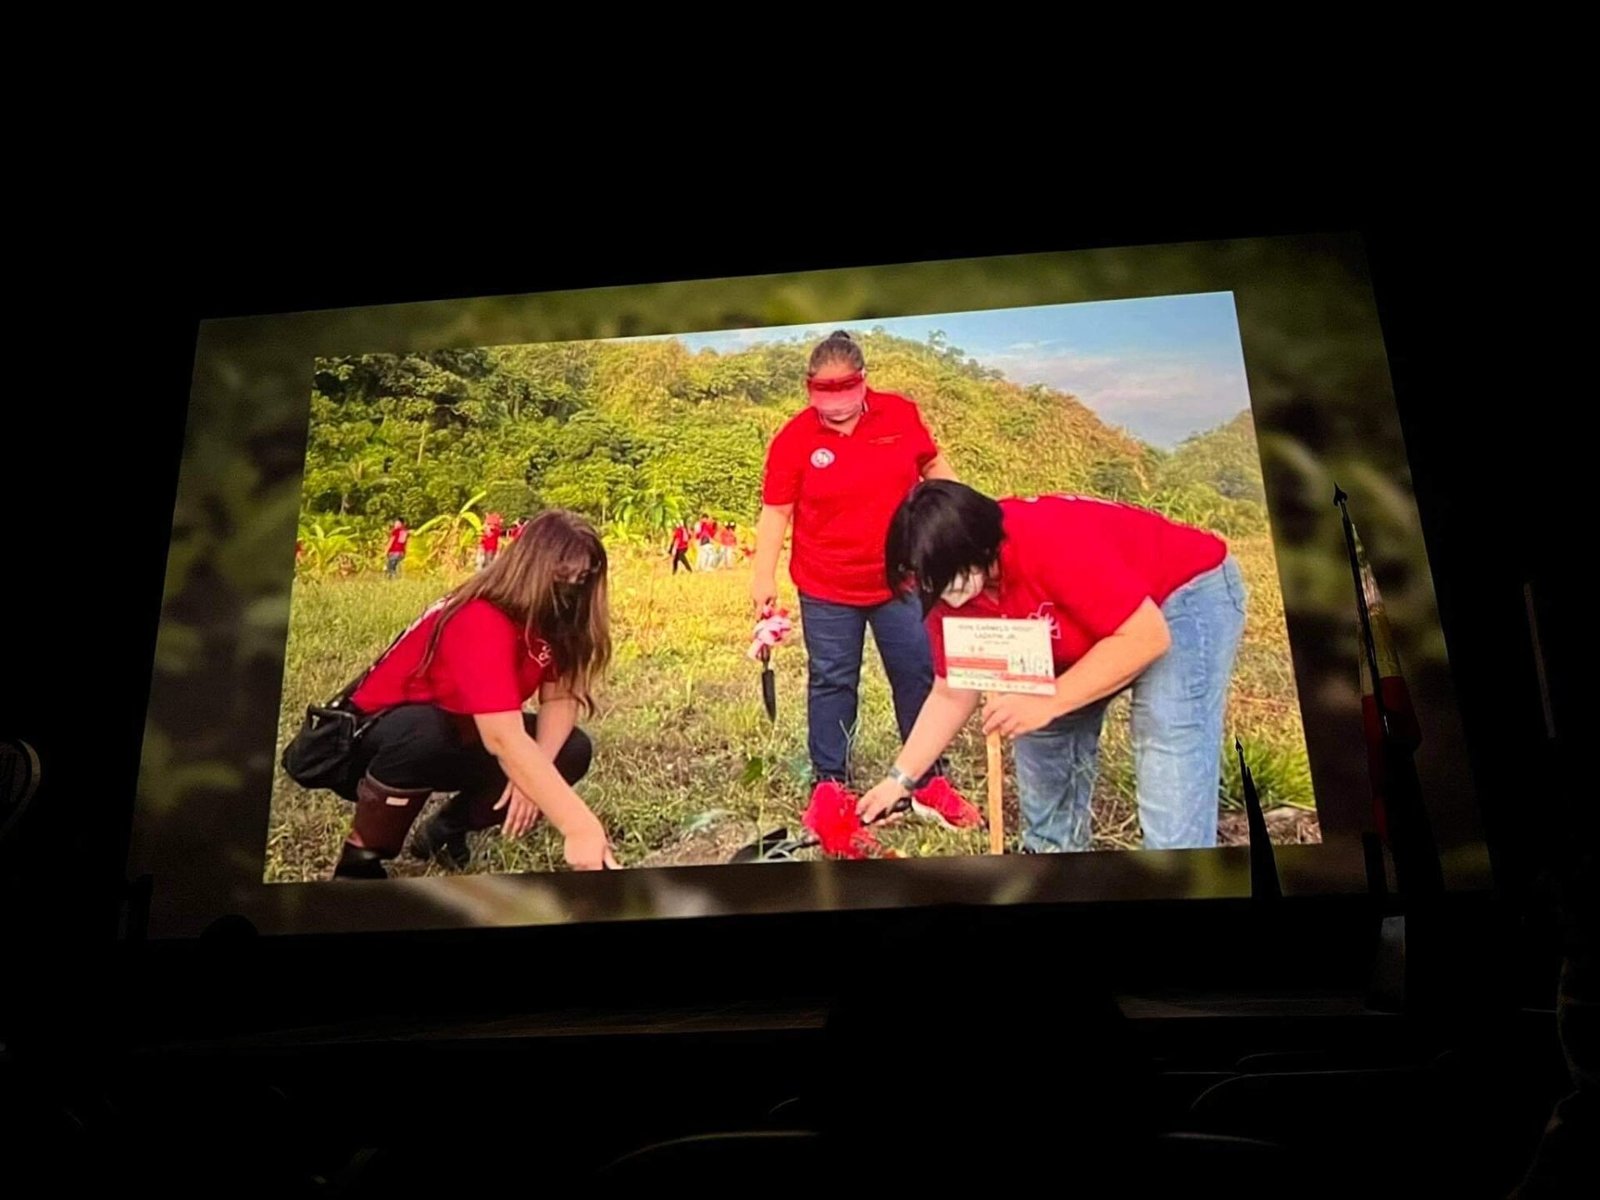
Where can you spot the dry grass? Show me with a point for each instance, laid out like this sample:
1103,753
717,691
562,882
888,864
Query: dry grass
687,767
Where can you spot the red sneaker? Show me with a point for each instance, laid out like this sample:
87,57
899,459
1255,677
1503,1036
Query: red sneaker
942,803
831,815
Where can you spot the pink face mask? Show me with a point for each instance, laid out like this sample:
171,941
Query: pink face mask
838,400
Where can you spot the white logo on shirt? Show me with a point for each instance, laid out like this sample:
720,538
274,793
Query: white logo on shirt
542,653
1044,613
822,457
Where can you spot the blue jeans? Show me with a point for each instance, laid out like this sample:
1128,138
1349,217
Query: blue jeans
1178,706
835,636
392,566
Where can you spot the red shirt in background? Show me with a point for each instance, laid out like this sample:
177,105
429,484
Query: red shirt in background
706,530
680,538
398,539
516,530
727,538
845,488
483,664
1084,565
491,538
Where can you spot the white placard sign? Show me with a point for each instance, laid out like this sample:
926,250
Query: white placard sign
984,655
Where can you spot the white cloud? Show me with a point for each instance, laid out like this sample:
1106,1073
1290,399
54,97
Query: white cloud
1159,398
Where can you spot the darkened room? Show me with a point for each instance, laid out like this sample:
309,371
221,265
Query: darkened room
1364,967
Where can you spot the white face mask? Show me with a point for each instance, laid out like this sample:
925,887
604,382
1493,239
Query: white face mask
963,588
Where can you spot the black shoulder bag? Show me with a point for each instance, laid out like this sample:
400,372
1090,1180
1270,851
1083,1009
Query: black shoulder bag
322,753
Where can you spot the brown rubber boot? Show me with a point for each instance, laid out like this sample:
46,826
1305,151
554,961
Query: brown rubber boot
383,818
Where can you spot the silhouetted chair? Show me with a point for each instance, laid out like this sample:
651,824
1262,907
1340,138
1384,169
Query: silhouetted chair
1289,1106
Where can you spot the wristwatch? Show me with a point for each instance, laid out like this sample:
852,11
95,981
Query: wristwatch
904,780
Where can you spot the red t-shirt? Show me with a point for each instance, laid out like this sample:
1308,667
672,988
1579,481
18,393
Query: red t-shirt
491,538
680,538
845,488
482,664
515,531
727,537
706,531
1084,565
397,541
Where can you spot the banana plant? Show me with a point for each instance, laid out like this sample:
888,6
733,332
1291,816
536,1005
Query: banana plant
647,514
329,547
450,537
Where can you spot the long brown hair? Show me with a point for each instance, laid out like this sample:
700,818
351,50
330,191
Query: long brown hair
552,582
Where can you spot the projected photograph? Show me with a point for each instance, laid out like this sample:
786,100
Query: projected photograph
913,587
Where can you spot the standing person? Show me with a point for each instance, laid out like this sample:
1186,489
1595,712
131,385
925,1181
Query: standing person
489,540
706,536
399,537
728,542
1133,600
680,548
516,529
446,701
837,471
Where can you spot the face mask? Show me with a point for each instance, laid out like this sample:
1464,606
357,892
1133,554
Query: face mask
566,599
838,416
838,400
963,588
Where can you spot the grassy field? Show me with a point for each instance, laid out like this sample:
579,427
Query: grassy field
687,766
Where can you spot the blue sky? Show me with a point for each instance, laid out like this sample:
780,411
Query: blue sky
1162,367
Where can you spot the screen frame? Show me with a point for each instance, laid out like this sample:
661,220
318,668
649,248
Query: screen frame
1335,867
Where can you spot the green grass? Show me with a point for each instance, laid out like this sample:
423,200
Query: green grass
683,744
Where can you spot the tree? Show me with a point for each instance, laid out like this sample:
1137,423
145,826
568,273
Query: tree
635,434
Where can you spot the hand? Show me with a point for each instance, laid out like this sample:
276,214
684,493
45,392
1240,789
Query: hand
588,850
763,592
1013,715
521,815
879,800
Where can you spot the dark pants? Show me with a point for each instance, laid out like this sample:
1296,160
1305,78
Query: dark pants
835,635
681,556
417,746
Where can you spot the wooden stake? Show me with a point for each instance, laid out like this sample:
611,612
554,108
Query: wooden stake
996,772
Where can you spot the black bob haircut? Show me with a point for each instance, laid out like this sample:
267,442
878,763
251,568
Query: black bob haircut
940,531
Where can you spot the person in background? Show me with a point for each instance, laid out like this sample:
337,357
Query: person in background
399,536
680,548
728,542
489,541
706,535
516,529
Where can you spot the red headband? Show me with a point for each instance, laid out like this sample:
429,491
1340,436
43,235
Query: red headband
843,384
